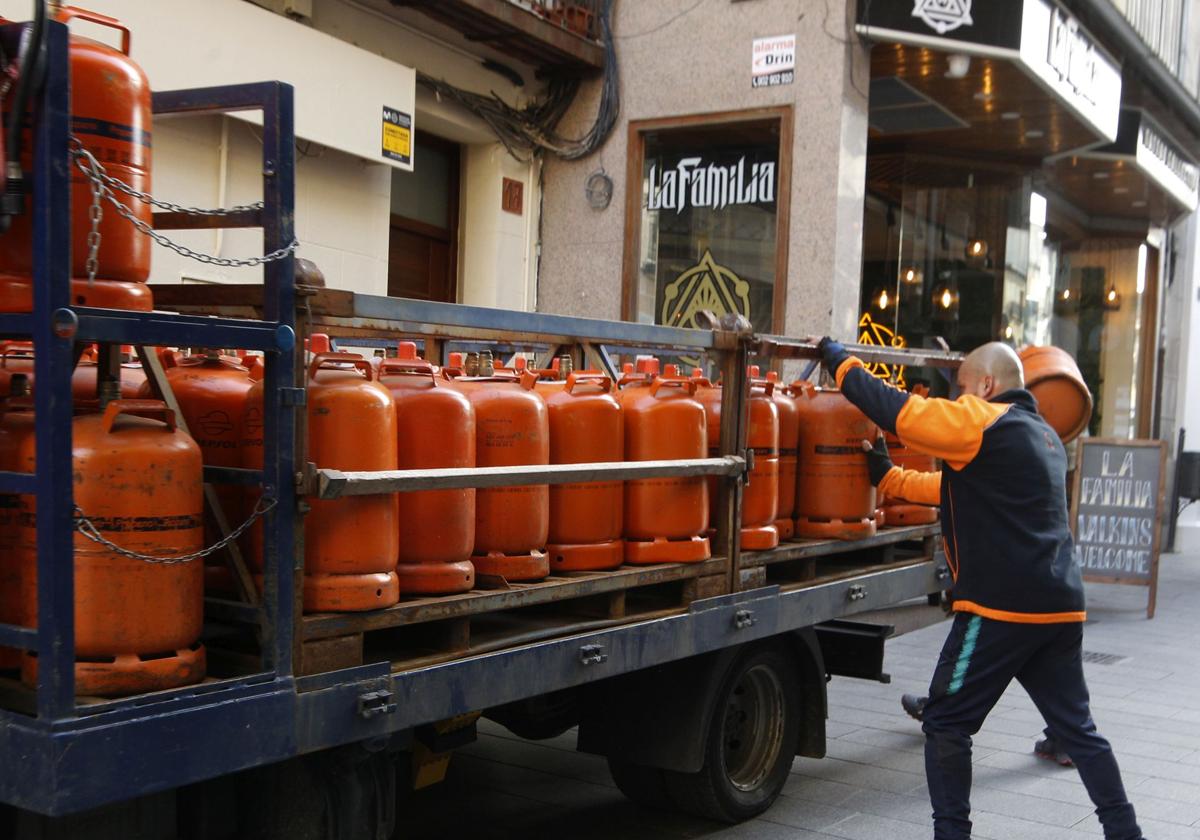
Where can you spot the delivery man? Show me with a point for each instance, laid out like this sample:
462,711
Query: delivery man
1018,595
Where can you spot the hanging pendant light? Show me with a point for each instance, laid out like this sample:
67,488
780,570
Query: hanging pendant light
1112,298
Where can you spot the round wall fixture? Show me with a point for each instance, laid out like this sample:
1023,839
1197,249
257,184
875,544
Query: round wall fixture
599,189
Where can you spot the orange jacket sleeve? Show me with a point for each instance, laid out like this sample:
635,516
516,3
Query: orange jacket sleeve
948,429
919,488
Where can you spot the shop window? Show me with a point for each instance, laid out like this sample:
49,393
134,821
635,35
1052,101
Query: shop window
968,257
707,218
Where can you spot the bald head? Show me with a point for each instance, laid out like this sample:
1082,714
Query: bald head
990,369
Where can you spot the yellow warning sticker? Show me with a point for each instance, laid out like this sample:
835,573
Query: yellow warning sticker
397,135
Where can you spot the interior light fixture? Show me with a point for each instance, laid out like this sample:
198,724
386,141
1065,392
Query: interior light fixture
882,299
1112,299
944,299
1010,115
1008,331
957,66
1066,294
912,275
1034,134
977,248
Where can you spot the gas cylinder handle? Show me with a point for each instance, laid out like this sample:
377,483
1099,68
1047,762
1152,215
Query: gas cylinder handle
407,366
528,380
804,388
764,385
138,408
591,377
354,359
683,382
69,13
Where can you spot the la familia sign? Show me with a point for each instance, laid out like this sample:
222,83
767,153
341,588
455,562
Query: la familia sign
693,183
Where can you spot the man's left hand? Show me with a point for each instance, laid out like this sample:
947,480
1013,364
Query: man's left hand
833,354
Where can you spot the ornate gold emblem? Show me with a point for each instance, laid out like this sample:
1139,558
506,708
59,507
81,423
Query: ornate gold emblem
705,285
880,335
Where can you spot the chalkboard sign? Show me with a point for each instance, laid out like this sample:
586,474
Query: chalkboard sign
1116,511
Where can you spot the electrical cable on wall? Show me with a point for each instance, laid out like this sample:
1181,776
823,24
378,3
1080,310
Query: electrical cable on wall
530,131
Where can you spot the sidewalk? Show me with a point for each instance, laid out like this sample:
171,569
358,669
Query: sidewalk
871,785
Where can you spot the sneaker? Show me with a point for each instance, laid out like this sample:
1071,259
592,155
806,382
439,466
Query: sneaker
914,705
1049,750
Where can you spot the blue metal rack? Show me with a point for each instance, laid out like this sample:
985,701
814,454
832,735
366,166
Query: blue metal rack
55,326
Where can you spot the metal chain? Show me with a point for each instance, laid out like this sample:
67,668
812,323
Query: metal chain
88,528
95,215
86,163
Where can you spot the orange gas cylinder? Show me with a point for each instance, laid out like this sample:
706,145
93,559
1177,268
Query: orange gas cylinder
435,427
133,377
893,512
512,429
665,518
789,442
211,390
138,479
110,114
585,427
1063,398
760,498
15,357
835,498
16,293
350,544
16,425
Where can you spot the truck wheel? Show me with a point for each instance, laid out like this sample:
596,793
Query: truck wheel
643,785
750,743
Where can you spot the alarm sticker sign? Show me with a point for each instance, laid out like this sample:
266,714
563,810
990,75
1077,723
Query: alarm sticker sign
773,61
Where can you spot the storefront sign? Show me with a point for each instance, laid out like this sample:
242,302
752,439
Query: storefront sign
773,61
1064,57
1043,38
1163,163
692,183
1116,511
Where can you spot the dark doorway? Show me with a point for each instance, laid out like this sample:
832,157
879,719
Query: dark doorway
423,246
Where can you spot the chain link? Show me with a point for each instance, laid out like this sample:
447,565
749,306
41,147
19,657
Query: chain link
88,528
105,184
95,215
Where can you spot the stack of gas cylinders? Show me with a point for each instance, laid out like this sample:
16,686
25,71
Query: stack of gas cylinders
137,474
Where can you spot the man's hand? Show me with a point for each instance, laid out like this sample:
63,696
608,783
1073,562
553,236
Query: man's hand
833,354
879,463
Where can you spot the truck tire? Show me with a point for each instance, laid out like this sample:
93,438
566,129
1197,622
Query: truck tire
750,742
643,785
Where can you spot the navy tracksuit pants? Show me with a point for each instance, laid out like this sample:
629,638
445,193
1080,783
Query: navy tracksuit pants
980,658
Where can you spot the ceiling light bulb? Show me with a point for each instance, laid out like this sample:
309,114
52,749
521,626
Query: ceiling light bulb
947,299
1008,331
883,299
1112,294
1066,295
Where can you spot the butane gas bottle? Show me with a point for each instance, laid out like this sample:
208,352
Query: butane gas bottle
15,357
435,427
350,544
132,382
138,479
789,443
1063,398
211,390
585,427
894,512
835,498
665,518
760,497
16,426
511,429
111,117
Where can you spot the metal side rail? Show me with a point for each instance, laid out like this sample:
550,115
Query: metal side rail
333,484
72,765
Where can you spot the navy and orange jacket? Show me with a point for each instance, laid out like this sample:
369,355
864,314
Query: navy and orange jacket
1002,492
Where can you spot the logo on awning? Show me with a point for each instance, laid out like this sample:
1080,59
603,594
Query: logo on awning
943,16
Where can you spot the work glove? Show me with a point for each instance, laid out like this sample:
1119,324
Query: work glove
879,462
832,354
